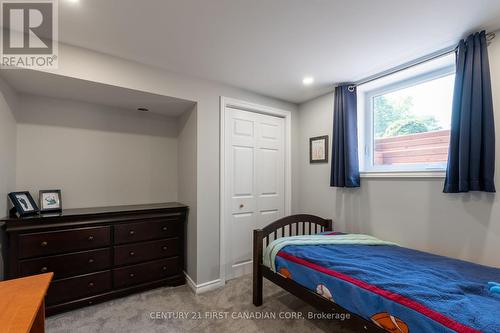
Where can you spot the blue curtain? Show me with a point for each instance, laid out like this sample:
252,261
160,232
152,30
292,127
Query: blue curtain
345,164
471,160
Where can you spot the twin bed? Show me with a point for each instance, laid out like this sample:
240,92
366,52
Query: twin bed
382,286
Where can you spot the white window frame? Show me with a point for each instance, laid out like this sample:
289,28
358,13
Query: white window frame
368,169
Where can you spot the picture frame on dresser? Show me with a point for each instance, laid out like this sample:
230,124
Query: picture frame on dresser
23,202
50,201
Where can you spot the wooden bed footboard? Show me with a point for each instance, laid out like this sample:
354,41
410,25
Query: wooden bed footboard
291,226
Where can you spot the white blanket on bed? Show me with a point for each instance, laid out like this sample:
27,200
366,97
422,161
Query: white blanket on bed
272,250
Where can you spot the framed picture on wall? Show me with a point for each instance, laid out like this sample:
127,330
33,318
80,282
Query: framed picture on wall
23,203
318,149
50,201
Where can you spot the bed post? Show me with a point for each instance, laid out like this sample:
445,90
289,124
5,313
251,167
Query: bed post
329,225
257,269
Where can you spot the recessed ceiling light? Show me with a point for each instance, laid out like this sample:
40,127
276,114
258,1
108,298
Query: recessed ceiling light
73,1
143,109
308,80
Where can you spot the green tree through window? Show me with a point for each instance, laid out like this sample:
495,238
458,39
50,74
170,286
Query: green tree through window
394,117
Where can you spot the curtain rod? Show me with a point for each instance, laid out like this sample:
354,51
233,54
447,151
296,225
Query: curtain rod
436,55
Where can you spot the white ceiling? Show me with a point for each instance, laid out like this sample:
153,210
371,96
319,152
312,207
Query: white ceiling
57,86
268,46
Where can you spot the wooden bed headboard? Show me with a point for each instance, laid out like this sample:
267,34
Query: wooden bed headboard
301,224
289,226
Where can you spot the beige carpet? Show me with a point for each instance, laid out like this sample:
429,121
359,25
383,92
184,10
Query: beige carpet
133,313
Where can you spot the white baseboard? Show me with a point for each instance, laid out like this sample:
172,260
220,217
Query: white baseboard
203,287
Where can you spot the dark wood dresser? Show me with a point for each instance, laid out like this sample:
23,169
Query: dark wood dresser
98,254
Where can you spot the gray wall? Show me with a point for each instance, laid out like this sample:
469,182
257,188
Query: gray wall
8,102
413,212
97,155
89,65
187,173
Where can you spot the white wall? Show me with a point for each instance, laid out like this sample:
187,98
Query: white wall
187,171
413,212
97,155
88,65
8,103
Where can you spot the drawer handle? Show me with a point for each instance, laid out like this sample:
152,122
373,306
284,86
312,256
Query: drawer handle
164,228
131,232
164,268
91,284
43,244
164,248
91,238
131,275
44,269
91,261
131,253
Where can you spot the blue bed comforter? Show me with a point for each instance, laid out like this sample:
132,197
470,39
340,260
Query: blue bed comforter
400,289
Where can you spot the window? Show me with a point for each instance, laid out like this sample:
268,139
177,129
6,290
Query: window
405,119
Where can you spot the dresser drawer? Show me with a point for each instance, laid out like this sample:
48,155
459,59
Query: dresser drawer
156,270
66,265
141,231
52,242
139,252
78,287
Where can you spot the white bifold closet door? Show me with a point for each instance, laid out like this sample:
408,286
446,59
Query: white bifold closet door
255,182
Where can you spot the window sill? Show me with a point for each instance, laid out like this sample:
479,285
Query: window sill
403,174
